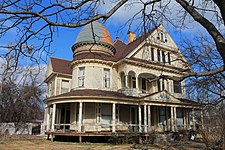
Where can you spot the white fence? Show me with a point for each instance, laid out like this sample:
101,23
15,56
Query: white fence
12,128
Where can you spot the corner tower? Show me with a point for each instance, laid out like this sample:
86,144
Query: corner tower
93,55
95,38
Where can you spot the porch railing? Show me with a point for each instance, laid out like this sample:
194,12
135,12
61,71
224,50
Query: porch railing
118,128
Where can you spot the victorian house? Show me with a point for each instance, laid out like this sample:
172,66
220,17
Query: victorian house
116,87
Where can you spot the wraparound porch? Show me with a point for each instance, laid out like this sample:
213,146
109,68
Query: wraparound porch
87,117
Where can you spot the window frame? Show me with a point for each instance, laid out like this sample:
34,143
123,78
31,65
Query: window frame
158,55
169,59
177,87
81,76
63,88
106,78
152,54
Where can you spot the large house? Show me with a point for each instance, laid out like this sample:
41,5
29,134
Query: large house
116,87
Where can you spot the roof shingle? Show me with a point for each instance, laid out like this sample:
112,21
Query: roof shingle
61,66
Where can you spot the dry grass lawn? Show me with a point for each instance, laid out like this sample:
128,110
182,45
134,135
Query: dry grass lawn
30,142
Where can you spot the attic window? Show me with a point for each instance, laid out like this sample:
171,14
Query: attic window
162,36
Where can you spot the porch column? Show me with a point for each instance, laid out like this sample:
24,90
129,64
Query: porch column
48,118
184,117
187,119
80,117
137,84
113,117
75,113
167,118
139,117
172,119
149,118
126,81
145,119
202,119
193,118
53,117
175,118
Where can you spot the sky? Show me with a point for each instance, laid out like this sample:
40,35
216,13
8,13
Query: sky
64,40
66,37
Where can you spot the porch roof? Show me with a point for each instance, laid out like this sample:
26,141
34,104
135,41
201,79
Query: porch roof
117,96
95,92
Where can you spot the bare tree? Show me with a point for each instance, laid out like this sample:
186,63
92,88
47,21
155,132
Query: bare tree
21,95
35,21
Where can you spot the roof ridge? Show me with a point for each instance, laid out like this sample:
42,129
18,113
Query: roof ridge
59,58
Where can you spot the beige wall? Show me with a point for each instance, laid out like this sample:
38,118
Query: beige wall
94,76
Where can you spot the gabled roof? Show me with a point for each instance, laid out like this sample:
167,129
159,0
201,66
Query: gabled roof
157,64
123,50
61,65
165,96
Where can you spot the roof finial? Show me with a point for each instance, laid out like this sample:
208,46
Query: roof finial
161,21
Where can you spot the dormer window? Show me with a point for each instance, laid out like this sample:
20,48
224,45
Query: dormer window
162,37
81,76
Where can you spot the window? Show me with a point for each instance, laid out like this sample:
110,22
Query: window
133,79
161,84
158,54
144,85
169,60
106,78
65,86
106,115
51,88
152,54
81,76
161,36
163,57
162,115
177,87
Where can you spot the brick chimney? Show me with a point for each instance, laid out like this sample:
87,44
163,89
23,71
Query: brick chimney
131,36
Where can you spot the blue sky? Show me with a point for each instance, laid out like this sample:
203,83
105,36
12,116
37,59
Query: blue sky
64,40
66,37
